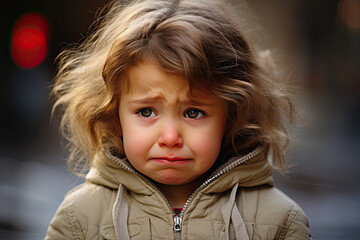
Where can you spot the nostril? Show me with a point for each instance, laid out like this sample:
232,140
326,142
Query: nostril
178,144
169,144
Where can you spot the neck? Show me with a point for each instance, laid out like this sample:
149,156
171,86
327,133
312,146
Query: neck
177,195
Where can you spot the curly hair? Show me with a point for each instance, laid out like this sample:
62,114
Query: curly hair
198,40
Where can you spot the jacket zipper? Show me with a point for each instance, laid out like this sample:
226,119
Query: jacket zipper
177,219
226,167
177,227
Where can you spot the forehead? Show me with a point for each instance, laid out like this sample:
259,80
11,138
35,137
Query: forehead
146,76
146,79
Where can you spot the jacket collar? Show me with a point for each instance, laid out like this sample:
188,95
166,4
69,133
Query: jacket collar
250,170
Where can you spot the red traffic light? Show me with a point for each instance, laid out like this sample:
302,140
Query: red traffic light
29,40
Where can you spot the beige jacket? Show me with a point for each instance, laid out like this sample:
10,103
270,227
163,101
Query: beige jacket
238,201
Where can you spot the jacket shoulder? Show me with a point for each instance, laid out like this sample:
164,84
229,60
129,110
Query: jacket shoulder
86,205
268,209
88,195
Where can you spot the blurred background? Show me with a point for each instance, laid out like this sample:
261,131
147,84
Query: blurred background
318,43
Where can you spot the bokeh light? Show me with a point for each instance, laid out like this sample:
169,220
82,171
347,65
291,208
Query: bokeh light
29,40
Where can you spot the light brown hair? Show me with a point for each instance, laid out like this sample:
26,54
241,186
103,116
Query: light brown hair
198,40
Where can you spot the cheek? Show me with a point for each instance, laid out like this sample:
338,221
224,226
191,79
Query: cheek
206,146
135,143
207,143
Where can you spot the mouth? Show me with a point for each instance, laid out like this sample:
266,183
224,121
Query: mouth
175,160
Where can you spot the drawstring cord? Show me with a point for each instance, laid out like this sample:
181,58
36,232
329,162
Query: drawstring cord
230,212
120,215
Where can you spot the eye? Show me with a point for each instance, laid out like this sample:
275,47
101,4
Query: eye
194,113
146,112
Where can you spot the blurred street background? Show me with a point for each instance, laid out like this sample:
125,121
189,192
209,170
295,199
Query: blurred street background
319,46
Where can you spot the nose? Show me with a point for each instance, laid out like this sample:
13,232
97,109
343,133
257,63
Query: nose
170,137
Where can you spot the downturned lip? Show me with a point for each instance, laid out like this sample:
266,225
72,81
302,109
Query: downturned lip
172,159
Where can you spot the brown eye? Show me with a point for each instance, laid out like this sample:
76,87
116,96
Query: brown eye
146,112
193,113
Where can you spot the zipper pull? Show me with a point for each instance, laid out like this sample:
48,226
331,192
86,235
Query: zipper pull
177,223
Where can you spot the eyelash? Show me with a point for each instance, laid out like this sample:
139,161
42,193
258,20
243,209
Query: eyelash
198,112
140,112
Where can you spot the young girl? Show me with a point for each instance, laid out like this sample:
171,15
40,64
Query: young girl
179,117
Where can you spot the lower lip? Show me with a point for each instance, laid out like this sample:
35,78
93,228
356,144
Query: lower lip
172,162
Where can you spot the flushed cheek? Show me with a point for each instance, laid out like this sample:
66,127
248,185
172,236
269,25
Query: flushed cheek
207,139
136,144
206,147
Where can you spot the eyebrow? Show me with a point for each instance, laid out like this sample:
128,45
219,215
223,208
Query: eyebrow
156,99
196,102
147,100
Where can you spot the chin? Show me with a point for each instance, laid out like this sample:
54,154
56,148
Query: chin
171,181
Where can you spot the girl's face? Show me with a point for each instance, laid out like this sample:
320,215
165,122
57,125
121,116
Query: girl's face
169,135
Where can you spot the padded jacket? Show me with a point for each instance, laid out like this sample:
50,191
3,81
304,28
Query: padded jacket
237,201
